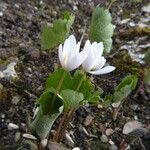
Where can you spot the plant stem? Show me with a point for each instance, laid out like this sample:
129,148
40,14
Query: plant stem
116,110
65,119
58,88
56,137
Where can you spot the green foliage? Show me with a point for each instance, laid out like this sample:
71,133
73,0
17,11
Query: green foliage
125,87
101,29
55,78
62,91
55,34
71,99
86,87
48,105
79,82
147,57
48,112
107,100
147,77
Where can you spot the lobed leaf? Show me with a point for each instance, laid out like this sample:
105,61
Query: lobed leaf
101,29
71,99
49,110
79,82
55,78
55,34
125,87
86,87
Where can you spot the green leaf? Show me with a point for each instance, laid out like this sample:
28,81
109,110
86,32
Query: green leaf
50,102
55,34
125,87
107,100
79,82
107,45
71,99
147,57
86,87
147,77
101,29
49,110
55,78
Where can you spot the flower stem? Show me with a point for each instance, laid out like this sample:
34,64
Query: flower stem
65,119
116,110
58,89
56,137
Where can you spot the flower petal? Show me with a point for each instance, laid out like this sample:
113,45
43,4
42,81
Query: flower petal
100,63
60,54
76,49
100,48
69,45
74,63
88,62
104,70
78,59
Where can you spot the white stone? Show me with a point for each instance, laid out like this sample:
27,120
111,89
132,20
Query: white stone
104,138
76,148
44,143
16,5
69,139
131,125
125,21
9,71
16,99
146,8
29,136
109,131
12,126
1,14
116,105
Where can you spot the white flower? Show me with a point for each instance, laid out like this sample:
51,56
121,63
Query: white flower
94,62
69,54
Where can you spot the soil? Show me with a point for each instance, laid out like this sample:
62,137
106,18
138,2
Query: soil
20,40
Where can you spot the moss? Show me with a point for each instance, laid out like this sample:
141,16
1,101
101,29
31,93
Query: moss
137,31
124,64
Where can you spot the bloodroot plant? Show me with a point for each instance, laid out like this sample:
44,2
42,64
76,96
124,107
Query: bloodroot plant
66,92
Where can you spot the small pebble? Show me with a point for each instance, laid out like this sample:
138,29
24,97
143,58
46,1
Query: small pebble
109,131
104,138
113,147
1,14
69,139
16,5
132,24
88,120
44,143
16,99
136,117
75,8
12,126
116,105
3,116
76,148
29,136
17,136
111,142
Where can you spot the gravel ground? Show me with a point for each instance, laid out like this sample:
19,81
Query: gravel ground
92,127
